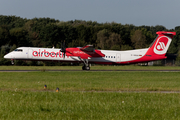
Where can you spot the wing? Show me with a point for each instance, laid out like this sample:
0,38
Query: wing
88,48
85,52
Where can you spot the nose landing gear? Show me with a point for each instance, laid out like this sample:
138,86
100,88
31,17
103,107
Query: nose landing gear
12,61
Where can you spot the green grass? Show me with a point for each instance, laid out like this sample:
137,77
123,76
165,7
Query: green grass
89,95
89,105
91,80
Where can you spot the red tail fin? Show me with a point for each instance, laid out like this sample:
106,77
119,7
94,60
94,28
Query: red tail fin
158,48
161,44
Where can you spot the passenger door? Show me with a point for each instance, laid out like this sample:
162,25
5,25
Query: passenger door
118,57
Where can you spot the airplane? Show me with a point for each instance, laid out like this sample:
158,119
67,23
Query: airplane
89,55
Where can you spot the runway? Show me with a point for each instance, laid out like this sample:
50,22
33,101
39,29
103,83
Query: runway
89,70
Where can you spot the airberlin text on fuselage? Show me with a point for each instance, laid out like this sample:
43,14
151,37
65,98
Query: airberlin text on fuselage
47,54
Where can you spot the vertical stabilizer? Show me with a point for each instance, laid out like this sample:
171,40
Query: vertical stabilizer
161,44
158,48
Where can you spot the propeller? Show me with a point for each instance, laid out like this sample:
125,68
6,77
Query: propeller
63,48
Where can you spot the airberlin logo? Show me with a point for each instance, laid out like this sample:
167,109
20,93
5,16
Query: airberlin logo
162,45
45,53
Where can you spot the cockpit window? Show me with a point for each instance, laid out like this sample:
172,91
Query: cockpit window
18,50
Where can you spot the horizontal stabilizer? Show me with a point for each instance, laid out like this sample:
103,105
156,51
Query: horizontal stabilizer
166,33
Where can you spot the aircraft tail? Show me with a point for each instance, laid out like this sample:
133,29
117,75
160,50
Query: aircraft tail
159,47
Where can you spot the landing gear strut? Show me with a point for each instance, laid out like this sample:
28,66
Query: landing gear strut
86,65
12,61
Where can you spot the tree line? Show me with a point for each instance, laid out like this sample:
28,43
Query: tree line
46,32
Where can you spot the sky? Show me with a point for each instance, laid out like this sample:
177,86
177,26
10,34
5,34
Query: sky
136,12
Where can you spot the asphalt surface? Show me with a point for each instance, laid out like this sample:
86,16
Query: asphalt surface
85,70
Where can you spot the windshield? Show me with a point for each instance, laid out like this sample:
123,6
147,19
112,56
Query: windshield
18,50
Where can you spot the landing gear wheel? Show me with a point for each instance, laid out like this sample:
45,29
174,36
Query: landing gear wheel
85,68
86,65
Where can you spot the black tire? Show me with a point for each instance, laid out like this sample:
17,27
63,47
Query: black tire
83,68
87,68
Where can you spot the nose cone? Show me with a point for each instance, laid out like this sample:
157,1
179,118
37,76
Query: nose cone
8,56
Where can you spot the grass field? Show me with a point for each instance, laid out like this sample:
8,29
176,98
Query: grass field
91,81
89,94
89,105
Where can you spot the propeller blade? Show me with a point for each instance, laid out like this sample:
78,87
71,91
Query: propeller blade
64,45
63,48
61,45
64,55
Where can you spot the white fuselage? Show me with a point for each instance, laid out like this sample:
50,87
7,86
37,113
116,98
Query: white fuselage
53,54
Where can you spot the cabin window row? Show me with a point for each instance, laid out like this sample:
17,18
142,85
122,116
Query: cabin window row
110,57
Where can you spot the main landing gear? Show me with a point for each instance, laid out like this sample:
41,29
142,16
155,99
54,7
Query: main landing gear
86,65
